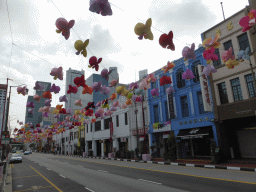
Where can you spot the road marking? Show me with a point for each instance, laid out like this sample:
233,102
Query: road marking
151,182
176,173
26,176
47,180
40,165
62,176
89,189
33,189
49,169
102,171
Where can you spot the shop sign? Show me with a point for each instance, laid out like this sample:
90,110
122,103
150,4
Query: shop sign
141,131
111,128
100,141
170,104
204,89
194,131
123,139
166,136
141,138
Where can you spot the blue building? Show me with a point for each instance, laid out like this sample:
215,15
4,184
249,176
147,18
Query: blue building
192,126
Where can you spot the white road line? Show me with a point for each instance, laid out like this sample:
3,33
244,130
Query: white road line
49,169
151,182
62,176
102,171
89,189
41,165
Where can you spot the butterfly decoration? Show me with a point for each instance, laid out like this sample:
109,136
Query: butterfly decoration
211,42
36,97
94,63
114,83
47,102
100,7
150,78
72,89
210,55
87,89
80,46
113,96
188,53
90,105
63,27
79,81
166,41
30,104
57,73
167,67
98,104
227,54
38,86
96,86
104,103
154,92
129,95
144,30
89,112
31,111
209,69
62,111
63,98
105,73
105,90
188,75
169,90
78,102
21,90
47,95
116,104
54,88
231,63
133,86
165,80
242,55
144,85
128,102
248,21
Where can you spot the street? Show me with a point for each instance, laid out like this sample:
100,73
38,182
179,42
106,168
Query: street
47,172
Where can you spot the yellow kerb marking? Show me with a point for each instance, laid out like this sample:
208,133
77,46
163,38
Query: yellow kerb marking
47,180
33,189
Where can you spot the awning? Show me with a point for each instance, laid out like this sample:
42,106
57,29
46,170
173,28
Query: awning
193,133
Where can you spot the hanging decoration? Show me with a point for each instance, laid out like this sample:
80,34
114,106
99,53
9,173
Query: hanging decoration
248,21
57,73
100,7
166,41
54,88
80,46
72,89
144,30
167,67
188,53
209,55
209,69
188,75
94,63
79,81
105,73
242,55
165,80
154,92
210,42
63,27
21,90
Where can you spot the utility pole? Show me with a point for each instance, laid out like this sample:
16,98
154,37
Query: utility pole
222,10
138,150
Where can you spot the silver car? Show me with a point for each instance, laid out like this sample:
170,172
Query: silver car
16,158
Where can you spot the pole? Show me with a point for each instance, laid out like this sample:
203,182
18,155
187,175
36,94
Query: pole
222,10
253,76
145,147
138,151
3,121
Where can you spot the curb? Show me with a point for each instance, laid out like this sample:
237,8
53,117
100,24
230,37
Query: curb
177,164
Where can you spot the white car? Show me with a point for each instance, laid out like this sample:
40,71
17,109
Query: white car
16,158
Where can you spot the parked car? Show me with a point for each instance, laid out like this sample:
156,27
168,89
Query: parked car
16,158
30,152
26,153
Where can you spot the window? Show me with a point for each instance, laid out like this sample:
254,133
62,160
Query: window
156,114
106,123
117,121
153,85
195,71
97,125
180,81
237,92
223,93
166,111
217,62
200,102
91,127
250,85
184,106
244,42
126,119
227,45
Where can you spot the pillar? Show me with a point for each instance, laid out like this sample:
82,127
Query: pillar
94,147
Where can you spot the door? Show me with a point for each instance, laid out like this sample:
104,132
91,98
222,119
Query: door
98,149
247,142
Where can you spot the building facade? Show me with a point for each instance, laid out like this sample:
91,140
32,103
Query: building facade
37,116
191,125
233,91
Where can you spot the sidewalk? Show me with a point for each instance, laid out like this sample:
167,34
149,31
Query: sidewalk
235,165
7,180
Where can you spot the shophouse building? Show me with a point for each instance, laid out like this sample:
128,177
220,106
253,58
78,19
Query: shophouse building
233,90
191,122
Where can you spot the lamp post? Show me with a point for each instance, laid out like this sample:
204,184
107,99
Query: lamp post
7,115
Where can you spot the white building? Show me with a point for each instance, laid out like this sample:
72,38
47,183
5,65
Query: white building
51,118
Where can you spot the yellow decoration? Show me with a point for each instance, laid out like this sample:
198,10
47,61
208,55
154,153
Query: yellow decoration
143,30
218,32
229,26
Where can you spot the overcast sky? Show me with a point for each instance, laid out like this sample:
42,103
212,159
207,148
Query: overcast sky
111,37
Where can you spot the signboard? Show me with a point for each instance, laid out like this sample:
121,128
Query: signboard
111,128
141,138
5,132
170,106
7,136
141,131
205,89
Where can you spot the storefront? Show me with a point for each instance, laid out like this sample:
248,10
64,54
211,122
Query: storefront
98,147
143,143
237,130
107,147
195,142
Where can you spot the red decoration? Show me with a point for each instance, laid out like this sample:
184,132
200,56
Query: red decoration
79,81
62,111
72,89
94,63
165,80
166,41
89,112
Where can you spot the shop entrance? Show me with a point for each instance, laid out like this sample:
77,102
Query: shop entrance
98,148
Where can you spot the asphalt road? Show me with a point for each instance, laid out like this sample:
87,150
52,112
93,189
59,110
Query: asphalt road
106,175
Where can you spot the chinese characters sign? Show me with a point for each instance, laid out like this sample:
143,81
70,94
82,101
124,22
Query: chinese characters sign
205,89
111,128
171,109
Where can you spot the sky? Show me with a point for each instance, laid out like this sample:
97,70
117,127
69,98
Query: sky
32,29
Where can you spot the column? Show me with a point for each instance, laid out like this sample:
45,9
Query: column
150,142
94,148
102,149
86,148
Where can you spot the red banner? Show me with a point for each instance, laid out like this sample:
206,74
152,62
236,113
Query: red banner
111,128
